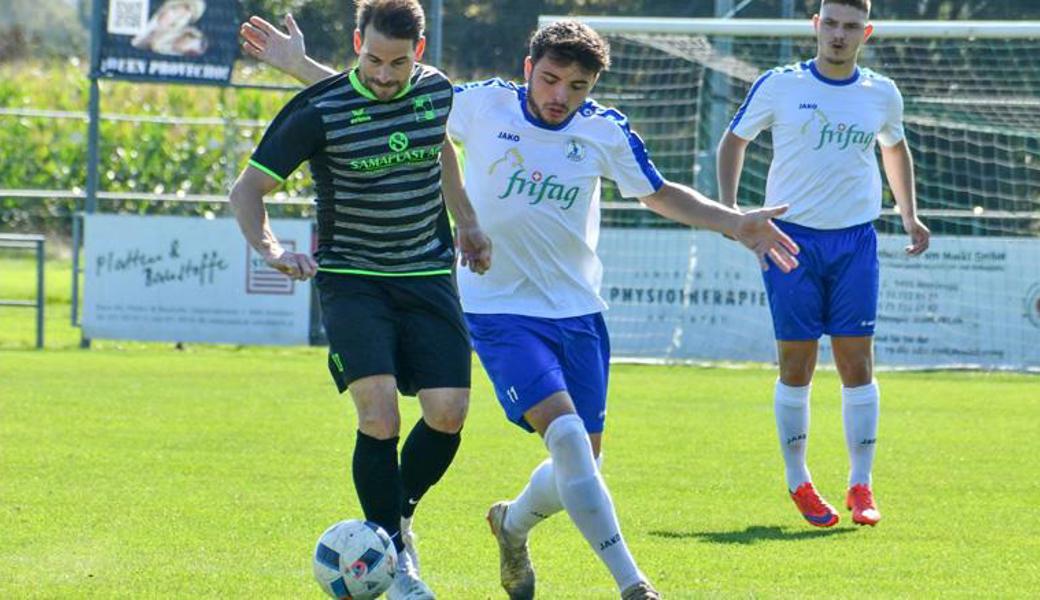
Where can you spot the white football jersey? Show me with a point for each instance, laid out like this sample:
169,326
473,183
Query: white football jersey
536,191
824,138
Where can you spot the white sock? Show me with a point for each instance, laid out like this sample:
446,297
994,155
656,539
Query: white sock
584,495
538,501
792,425
860,408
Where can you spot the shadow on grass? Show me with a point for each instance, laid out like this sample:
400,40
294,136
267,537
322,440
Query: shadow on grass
752,535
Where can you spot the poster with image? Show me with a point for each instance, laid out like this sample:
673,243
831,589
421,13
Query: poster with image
189,41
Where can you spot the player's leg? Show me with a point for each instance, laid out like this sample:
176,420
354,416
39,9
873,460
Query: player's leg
797,361
582,490
375,466
360,324
519,357
797,301
586,370
852,320
434,363
860,407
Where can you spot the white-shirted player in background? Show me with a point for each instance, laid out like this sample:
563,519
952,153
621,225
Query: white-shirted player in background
534,158
825,116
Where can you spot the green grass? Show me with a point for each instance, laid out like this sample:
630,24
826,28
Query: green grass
139,471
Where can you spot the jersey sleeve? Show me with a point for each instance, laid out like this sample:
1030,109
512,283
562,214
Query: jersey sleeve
756,114
628,164
293,137
892,131
465,108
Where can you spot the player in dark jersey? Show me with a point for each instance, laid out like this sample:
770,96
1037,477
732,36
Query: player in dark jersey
375,140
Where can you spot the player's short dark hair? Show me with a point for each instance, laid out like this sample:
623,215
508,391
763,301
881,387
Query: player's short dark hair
571,41
398,19
863,5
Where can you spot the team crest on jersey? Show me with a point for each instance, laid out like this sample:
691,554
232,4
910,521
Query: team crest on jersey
575,151
423,107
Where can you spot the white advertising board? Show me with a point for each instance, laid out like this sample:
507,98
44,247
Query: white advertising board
688,295
189,279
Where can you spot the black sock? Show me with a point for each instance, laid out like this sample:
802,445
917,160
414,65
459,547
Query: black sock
426,455
377,480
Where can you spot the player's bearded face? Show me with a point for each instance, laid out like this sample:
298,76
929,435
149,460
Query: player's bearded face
840,32
384,63
554,90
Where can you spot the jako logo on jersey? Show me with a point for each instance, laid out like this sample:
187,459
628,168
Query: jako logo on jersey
843,136
538,187
808,106
505,135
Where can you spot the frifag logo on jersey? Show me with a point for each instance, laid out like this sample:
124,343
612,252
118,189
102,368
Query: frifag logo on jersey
532,186
840,135
844,135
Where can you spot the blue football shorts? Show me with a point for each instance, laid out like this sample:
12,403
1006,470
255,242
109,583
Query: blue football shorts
833,291
529,359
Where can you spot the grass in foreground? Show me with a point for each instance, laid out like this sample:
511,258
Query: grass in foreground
137,471
209,473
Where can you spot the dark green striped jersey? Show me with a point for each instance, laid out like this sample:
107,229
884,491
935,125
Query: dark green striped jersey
376,169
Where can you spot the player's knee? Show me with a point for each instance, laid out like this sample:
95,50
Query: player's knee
380,424
585,494
855,371
796,375
856,377
448,418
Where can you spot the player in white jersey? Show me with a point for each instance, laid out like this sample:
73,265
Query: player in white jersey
826,116
535,155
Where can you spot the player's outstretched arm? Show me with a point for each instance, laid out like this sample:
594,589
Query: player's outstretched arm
247,202
473,244
283,51
754,229
899,168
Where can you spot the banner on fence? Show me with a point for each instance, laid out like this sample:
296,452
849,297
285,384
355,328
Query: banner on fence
189,41
189,279
687,295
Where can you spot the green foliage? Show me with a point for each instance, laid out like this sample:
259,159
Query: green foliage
135,156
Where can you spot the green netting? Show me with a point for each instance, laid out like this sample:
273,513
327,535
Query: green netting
972,116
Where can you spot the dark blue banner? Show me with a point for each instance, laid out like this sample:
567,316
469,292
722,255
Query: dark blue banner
183,41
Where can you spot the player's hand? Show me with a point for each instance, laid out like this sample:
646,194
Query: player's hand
265,42
474,248
295,265
758,233
920,236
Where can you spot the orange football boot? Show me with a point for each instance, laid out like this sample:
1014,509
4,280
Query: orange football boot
860,500
815,509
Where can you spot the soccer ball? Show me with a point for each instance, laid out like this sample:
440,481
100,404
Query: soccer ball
355,560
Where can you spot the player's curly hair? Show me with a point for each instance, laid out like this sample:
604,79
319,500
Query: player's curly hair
863,5
398,19
571,41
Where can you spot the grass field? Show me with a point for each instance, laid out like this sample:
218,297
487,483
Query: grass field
140,471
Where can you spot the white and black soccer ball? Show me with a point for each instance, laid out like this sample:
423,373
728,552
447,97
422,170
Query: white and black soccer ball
355,560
